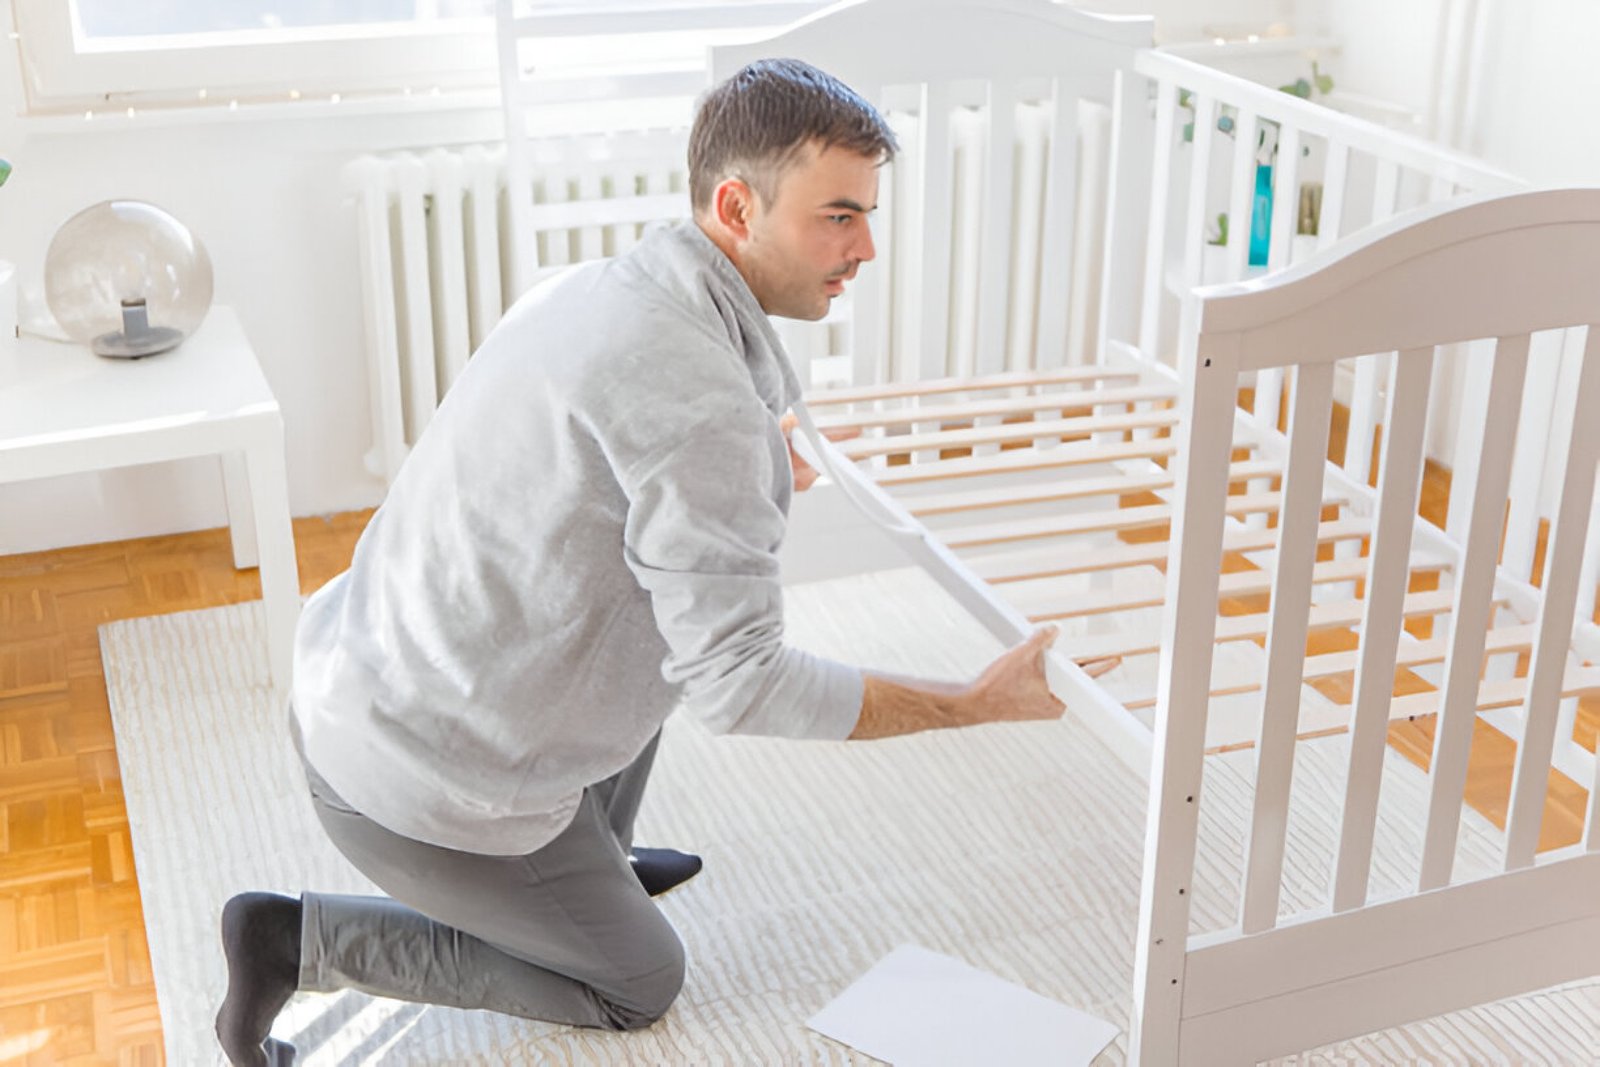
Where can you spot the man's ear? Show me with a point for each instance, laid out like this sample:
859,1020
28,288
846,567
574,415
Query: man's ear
733,205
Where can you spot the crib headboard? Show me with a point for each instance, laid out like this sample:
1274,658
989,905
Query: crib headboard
982,251
1503,269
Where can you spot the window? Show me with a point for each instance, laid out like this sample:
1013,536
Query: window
105,55
102,20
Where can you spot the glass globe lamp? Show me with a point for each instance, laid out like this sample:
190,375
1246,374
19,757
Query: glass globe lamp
127,279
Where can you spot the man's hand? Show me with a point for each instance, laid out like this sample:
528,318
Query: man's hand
804,474
1013,687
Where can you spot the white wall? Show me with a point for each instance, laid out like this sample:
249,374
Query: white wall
1532,84
1540,113
264,196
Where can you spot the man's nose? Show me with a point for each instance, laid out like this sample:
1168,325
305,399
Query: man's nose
865,250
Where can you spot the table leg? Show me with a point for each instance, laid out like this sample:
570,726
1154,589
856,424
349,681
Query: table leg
241,521
280,579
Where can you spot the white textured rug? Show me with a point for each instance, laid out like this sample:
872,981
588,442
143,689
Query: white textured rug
1016,848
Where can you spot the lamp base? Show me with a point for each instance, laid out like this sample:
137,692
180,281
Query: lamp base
147,342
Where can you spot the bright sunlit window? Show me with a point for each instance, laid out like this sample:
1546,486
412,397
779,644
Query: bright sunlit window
101,57
99,19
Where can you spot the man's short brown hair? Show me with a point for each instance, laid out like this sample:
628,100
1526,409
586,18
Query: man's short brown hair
753,125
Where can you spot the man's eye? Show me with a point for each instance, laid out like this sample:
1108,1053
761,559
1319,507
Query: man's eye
840,219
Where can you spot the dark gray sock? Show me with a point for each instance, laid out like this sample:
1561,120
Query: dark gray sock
261,940
661,869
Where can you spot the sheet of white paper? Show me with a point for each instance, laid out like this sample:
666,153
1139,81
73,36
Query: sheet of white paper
918,1008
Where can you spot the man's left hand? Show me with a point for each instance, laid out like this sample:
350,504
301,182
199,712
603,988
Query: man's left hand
804,474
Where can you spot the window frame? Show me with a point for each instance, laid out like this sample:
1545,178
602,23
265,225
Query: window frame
193,71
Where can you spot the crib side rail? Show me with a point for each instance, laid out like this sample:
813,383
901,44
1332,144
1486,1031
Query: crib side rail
1499,269
1235,146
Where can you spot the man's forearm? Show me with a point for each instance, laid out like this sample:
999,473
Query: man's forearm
1011,689
894,706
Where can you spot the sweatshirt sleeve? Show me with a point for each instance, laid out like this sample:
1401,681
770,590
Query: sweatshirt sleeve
701,537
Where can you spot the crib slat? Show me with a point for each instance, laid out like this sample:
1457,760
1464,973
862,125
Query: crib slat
1046,607
1132,157
1371,370
1057,240
1194,234
1285,197
869,302
1589,576
1363,418
1568,534
1286,641
1242,193
1532,454
1015,405
1385,189
1330,664
931,339
1400,481
933,440
994,255
1156,235
1331,218
1065,489
1502,693
1474,589
1285,203
1132,518
1027,563
1591,822
931,386
1333,616
1476,363
1024,459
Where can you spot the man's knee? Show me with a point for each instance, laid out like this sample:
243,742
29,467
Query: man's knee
641,1001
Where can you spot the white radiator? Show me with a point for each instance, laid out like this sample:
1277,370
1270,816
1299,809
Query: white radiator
436,264
435,244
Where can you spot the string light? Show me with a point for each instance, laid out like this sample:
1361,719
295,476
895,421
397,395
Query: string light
294,94
204,93
335,98
1218,41
88,116
131,112
233,105
1253,38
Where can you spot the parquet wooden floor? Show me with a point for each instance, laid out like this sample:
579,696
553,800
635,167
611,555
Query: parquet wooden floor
75,978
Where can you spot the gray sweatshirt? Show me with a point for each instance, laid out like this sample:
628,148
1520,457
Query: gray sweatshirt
585,536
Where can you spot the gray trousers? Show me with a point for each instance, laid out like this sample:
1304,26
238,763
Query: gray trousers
565,934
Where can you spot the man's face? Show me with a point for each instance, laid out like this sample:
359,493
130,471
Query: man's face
804,245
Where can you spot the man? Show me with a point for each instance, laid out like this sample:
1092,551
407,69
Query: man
585,538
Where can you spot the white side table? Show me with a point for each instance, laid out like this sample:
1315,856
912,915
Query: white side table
65,410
